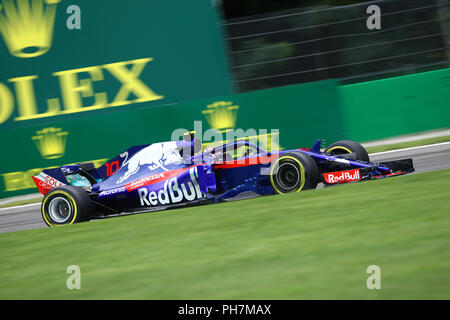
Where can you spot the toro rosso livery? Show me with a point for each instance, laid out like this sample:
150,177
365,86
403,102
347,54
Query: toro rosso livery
178,173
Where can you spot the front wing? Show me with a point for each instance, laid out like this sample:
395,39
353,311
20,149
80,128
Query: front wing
376,171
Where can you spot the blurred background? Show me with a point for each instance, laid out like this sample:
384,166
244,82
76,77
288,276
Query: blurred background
276,43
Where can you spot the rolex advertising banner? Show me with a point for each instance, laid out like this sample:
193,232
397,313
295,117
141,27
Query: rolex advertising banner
61,59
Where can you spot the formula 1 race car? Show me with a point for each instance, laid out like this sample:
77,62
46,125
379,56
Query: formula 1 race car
178,173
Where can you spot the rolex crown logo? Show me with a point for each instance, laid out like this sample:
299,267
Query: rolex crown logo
221,114
27,26
51,142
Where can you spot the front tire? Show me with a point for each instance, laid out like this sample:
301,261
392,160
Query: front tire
343,147
293,172
66,205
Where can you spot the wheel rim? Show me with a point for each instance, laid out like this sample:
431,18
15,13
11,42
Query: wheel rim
59,209
288,176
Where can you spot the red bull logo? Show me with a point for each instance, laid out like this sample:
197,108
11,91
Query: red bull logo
172,192
342,176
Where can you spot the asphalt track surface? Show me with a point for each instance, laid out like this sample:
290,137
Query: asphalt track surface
425,158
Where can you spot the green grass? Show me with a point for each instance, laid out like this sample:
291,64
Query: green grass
308,245
409,144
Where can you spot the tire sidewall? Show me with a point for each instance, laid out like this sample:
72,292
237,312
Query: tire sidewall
307,168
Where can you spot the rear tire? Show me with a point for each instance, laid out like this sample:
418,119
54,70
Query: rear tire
342,147
66,205
293,172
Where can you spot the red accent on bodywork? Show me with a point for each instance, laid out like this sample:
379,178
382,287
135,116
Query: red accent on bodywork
390,174
42,186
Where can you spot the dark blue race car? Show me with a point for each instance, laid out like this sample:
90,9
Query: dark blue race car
177,173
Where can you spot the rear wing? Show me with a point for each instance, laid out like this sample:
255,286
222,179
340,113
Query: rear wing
49,179
79,175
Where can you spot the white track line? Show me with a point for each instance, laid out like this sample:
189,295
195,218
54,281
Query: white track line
9,209
401,139
412,148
